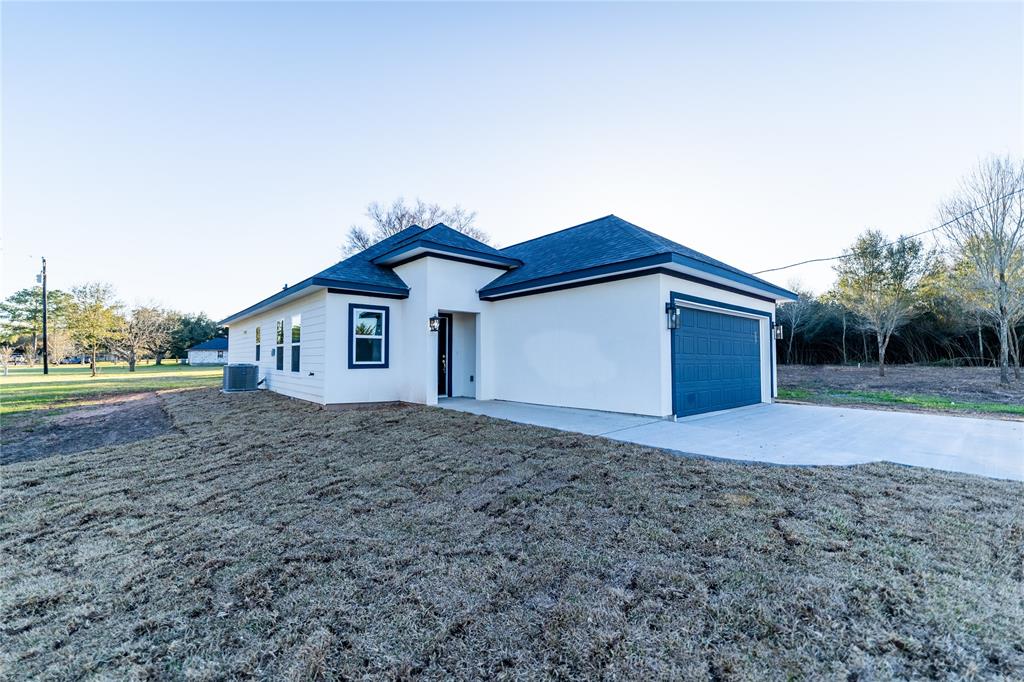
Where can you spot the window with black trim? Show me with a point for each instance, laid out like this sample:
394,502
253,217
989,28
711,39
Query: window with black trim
258,335
368,336
279,338
296,337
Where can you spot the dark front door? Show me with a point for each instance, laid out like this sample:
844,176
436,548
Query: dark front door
444,355
716,362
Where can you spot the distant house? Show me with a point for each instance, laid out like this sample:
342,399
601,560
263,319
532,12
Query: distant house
604,315
212,352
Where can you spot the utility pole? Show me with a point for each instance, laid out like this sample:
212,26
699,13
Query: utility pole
46,355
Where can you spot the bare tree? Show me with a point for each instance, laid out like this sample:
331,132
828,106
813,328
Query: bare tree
146,329
388,220
31,352
878,281
60,345
986,228
6,356
795,315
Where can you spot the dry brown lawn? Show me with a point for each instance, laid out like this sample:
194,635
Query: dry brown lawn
265,537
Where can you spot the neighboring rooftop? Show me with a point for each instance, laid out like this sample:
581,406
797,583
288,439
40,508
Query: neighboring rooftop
218,343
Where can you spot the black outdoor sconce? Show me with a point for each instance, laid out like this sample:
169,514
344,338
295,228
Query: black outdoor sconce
672,314
435,323
778,330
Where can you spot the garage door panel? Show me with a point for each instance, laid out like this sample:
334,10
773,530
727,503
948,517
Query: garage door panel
717,362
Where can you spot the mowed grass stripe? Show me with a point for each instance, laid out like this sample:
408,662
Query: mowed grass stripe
837,397
268,538
27,389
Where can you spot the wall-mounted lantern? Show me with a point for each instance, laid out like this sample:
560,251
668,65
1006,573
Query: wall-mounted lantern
778,330
435,323
672,315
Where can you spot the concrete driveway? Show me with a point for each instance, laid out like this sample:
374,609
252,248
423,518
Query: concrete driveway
797,434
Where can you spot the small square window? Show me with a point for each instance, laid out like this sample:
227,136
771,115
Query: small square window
368,336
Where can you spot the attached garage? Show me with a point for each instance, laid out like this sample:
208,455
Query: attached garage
716,361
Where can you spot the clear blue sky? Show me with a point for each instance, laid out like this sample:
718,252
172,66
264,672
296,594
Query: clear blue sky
202,155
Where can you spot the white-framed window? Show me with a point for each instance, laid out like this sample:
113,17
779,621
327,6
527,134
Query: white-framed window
258,339
279,349
296,338
368,336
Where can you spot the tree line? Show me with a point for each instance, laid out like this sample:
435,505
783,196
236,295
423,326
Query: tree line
89,320
960,302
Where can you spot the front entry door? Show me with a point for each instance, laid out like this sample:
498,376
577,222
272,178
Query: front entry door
444,356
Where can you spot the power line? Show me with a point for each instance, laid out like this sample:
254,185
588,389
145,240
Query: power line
908,236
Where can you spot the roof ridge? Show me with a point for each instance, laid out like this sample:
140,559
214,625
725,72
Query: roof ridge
564,229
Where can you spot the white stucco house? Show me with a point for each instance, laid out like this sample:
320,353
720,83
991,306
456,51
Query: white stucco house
212,352
604,315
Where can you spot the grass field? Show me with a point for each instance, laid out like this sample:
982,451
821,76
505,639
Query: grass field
265,537
27,388
888,399
954,390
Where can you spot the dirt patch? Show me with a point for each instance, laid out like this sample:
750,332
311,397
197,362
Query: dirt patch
968,384
267,538
109,421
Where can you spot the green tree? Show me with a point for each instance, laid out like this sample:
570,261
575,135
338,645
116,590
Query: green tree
21,315
193,329
879,281
94,318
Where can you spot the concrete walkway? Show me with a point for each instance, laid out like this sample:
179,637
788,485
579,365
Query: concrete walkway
797,434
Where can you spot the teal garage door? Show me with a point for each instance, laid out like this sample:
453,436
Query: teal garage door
716,362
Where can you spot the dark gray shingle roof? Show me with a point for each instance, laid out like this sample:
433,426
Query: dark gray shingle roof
593,244
218,343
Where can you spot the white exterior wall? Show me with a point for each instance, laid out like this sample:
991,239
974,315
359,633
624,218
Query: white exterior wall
596,347
670,284
435,285
365,384
308,382
464,354
207,357
603,347
411,375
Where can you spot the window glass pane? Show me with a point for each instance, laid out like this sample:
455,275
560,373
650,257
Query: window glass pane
257,352
369,350
295,358
258,329
296,327
280,357
280,332
369,323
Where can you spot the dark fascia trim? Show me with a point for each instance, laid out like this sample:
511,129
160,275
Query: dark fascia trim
359,292
491,293
675,297
352,335
457,259
350,287
445,248
629,275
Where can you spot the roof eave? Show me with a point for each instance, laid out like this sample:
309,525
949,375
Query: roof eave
323,282
403,252
762,287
